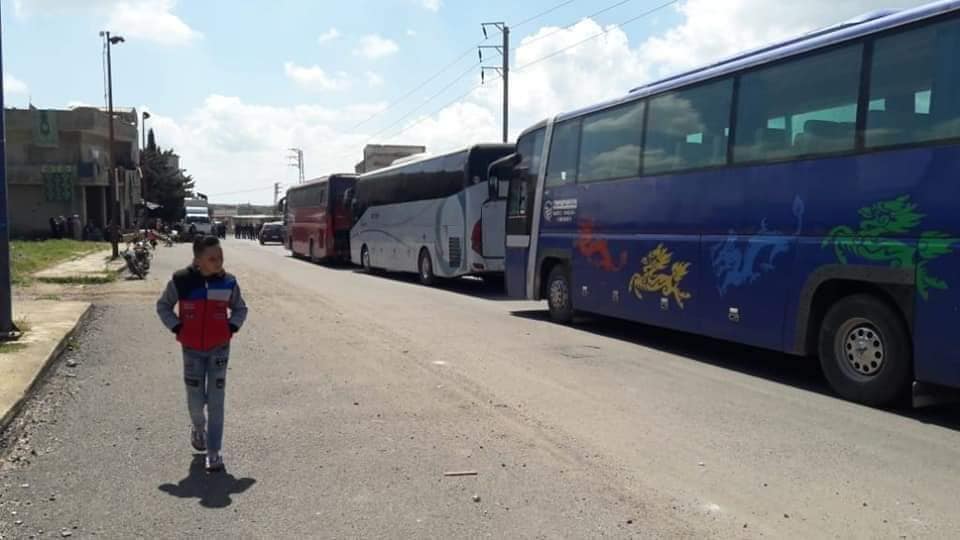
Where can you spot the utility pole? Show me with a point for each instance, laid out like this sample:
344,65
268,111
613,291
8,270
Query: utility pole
504,70
296,160
276,193
7,329
114,185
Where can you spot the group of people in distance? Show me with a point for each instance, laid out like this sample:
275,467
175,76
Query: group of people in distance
247,232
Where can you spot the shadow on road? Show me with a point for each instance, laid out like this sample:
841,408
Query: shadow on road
468,286
212,489
475,287
802,373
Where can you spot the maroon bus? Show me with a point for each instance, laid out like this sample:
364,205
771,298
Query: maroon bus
317,219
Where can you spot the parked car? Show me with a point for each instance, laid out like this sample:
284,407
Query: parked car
272,232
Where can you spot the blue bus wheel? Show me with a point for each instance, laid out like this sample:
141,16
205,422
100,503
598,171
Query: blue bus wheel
865,351
559,297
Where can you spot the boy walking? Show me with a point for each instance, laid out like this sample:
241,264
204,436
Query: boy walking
211,310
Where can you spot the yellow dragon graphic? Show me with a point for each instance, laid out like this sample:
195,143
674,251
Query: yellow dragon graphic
653,278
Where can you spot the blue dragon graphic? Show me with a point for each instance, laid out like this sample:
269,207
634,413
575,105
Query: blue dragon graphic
736,264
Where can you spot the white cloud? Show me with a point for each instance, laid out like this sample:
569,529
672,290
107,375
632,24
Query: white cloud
411,32
229,145
712,30
152,21
14,91
148,20
315,78
232,145
329,35
14,86
373,47
373,79
432,5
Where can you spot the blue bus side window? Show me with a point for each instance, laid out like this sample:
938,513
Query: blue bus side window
914,87
562,163
687,129
610,143
799,108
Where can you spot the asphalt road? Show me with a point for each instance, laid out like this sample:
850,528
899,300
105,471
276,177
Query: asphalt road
350,396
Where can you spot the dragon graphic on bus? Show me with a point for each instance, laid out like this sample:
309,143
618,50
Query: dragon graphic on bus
597,251
872,241
655,278
735,265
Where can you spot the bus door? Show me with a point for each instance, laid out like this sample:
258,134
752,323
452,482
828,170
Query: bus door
521,192
493,213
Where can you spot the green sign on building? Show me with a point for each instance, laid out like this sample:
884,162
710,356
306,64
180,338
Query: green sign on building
58,181
45,131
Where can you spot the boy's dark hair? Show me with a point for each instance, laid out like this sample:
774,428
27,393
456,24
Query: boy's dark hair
202,243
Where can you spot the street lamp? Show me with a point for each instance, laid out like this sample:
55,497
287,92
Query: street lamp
143,127
114,230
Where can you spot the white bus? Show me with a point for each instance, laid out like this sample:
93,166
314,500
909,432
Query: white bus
198,217
436,216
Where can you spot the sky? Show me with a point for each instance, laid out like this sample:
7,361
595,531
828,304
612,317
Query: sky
232,85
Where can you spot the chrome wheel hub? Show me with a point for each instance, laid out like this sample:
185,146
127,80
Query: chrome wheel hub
559,293
862,349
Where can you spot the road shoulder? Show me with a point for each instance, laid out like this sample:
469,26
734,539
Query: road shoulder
23,363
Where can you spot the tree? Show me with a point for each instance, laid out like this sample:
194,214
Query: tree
163,183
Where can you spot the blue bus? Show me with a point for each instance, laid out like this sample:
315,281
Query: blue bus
803,197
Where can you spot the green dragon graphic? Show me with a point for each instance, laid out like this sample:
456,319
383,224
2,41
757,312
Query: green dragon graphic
873,240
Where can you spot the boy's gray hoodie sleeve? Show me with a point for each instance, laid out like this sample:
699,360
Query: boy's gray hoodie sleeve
238,309
165,306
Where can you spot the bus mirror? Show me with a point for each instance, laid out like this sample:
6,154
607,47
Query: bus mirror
504,188
493,188
348,198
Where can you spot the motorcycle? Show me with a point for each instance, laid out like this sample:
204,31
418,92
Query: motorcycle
142,254
133,265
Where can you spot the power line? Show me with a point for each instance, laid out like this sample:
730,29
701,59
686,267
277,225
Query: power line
528,64
542,13
432,78
438,109
454,62
544,58
605,31
424,102
571,25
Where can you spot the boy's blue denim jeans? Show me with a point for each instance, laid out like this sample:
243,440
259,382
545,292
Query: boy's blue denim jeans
205,375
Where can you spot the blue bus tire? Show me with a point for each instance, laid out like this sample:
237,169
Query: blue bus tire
865,351
559,295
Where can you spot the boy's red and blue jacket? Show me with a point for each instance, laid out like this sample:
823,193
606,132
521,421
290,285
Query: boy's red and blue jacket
210,308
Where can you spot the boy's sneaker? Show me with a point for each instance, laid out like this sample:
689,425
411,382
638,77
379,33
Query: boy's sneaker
214,462
198,438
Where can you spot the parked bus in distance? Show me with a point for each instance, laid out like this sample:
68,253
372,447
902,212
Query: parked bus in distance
317,217
197,216
435,216
802,197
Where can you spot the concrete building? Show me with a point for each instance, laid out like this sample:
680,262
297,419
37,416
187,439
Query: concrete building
378,156
57,165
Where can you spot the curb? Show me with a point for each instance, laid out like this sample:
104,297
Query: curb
41,374
90,278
